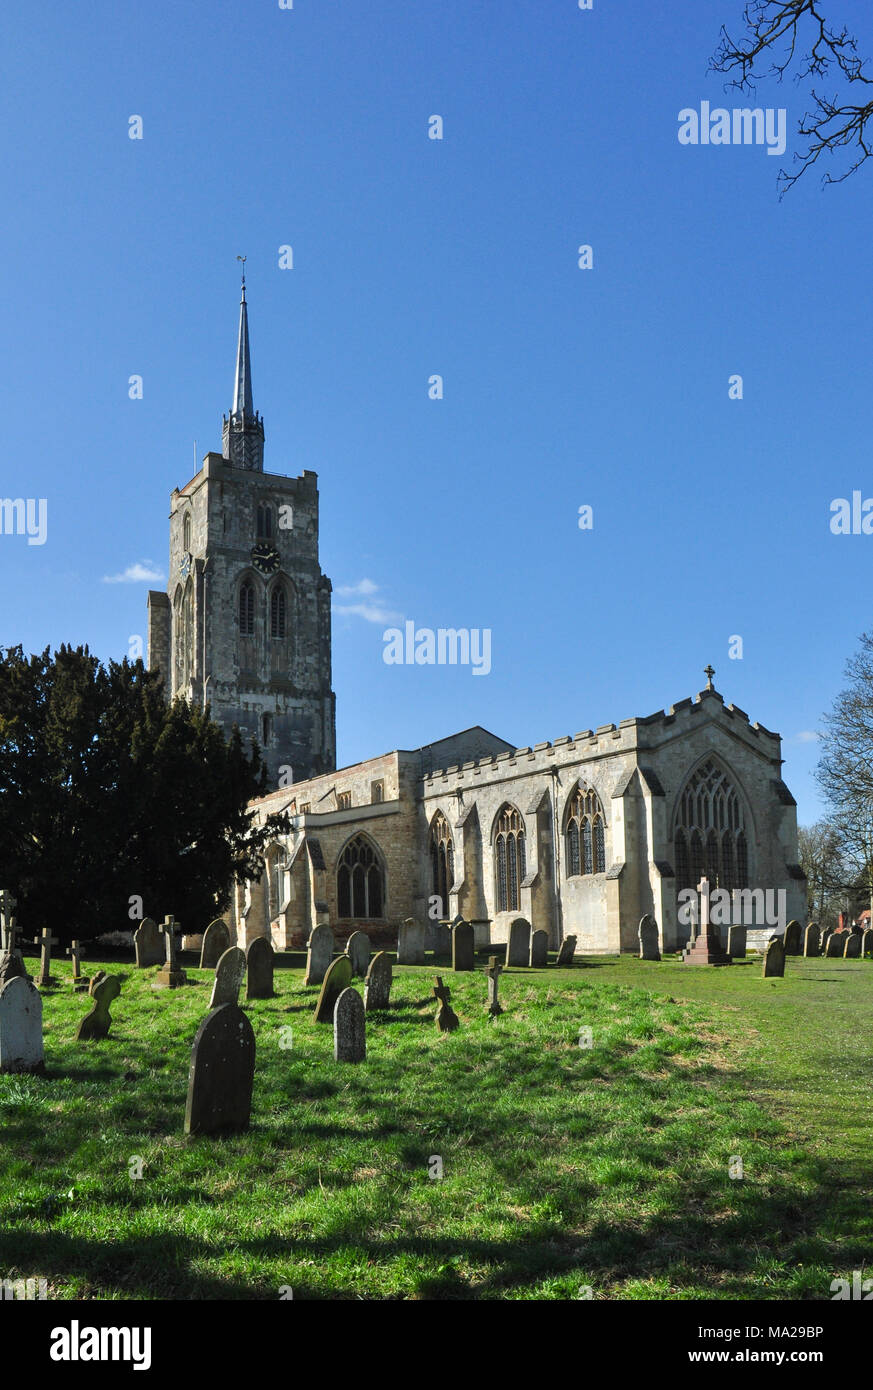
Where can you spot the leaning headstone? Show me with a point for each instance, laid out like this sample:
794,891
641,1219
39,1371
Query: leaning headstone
650,947
567,951
410,943
852,948
222,1073
835,944
216,940
349,1028
337,977
774,957
358,952
11,960
736,942
792,941
539,949
21,1026
446,1020
462,946
492,974
377,987
811,945
867,942
319,954
170,976
518,945
228,977
46,942
147,944
96,1023
259,968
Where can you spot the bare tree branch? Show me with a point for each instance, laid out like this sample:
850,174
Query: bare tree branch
773,36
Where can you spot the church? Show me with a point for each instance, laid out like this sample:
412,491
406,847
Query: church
581,836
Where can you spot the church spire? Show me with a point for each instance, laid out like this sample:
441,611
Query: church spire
243,432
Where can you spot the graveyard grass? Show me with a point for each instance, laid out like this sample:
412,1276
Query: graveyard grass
563,1166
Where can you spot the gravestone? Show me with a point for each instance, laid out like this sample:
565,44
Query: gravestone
539,950
835,944
518,945
319,954
446,1020
8,906
11,960
410,943
358,952
46,942
567,951
259,969
377,987
349,1028
337,977
650,947
95,980
492,974
774,958
170,976
736,942
216,940
441,935
80,982
792,941
96,1023
852,948
705,947
811,940
222,1073
21,1026
867,942
147,943
462,946
228,977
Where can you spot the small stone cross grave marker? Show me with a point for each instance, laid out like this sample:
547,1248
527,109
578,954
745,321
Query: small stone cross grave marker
492,974
446,1020
79,980
46,942
170,976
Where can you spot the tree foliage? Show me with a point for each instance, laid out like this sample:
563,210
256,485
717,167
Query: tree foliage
783,36
107,793
845,771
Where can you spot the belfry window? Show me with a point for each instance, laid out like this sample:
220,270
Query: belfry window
509,859
709,831
360,881
584,833
264,521
186,532
247,609
277,614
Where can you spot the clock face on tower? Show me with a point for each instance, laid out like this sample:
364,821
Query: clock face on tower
265,557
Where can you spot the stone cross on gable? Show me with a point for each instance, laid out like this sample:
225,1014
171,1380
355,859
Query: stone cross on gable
46,942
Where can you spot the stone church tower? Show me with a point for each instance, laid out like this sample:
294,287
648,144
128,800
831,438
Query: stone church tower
245,623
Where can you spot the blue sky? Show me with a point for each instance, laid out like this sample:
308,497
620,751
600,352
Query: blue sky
264,127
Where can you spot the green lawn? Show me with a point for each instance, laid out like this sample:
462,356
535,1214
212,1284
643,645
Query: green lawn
563,1166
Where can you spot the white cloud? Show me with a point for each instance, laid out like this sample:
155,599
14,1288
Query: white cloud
143,572
370,612
808,736
364,587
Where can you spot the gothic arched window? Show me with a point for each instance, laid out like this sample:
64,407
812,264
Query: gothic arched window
247,609
442,855
277,613
584,833
509,858
360,880
264,523
709,831
186,532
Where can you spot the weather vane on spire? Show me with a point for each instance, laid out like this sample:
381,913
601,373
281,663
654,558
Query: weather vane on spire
243,259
